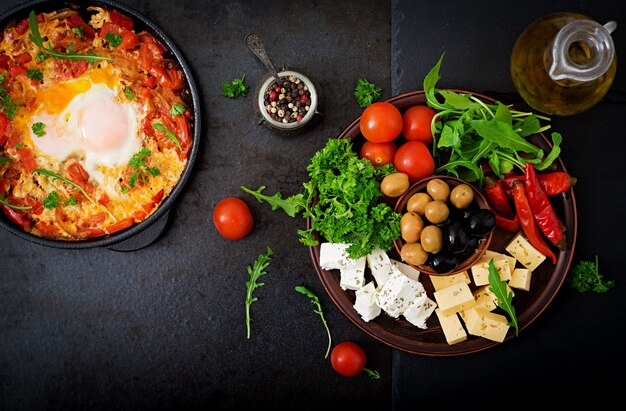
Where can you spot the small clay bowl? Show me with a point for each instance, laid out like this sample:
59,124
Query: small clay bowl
480,201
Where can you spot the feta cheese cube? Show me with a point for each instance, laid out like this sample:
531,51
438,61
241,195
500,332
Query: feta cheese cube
352,276
443,281
488,325
398,293
420,311
451,326
525,252
406,269
365,303
454,298
334,256
380,266
521,279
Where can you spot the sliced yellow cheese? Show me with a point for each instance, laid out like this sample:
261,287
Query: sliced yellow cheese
488,325
452,327
525,252
521,279
442,281
454,298
480,270
486,299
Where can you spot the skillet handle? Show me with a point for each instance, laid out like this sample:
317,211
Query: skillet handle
144,238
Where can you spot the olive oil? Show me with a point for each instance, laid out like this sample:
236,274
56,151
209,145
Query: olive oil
563,63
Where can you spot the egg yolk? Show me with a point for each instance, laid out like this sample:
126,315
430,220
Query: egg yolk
103,124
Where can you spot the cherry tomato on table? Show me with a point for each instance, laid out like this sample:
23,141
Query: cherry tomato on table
378,153
416,123
381,122
414,159
348,359
232,218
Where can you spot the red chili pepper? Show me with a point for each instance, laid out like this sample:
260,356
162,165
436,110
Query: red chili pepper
545,216
506,224
553,183
497,197
527,221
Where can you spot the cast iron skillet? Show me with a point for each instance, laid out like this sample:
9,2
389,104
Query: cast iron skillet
146,231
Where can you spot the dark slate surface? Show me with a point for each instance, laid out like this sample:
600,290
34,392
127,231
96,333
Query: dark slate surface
574,349
163,327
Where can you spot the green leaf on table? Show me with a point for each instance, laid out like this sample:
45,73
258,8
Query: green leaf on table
316,302
255,272
290,205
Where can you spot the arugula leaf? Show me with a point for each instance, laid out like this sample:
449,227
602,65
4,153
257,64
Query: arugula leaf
128,92
168,133
235,88
554,153
373,374
505,298
366,93
503,135
41,56
316,302
458,101
39,129
113,39
291,205
586,277
177,109
430,81
528,126
35,74
4,160
36,38
6,203
255,272
51,201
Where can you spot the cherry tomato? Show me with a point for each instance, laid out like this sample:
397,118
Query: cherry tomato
379,153
414,159
232,218
348,359
381,122
416,123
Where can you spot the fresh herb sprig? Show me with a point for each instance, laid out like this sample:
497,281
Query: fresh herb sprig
366,93
505,297
138,163
373,374
586,277
168,133
177,109
469,130
51,201
6,102
128,92
236,88
113,39
35,75
6,203
318,310
39,129
35,37
256,271
4,160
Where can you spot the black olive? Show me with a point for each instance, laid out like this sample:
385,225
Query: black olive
443,262
445,223
472,245
481,222
454,237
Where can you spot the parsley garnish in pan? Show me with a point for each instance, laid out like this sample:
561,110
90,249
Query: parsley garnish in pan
41,56
52,201
6,102
39,129
128,92
71,201
169,134
35,74
114,40
36,38
4,160
78,31
137,162
235,88
177,109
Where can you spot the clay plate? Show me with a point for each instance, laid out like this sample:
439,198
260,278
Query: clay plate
402,335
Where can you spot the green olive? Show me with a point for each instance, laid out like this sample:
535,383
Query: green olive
413,253
395,184
438,189
411,225
431,239
417,202
462,196
436,211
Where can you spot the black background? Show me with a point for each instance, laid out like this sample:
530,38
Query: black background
163,327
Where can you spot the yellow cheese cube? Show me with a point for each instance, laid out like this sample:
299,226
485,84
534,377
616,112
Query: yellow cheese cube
512,261
452,327
489,254
469,316
525,252
454,298
442,281
521,279
480,270
486,299
488,325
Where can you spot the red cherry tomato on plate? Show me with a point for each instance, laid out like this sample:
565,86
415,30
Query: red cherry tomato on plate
414,159
232,218
378,153
381,122
348,359
416,123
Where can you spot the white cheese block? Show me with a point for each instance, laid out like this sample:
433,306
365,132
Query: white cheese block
420,311
334,256
352,276
398,293
452,327
525,252
380,266
365,303
406,269
443,281
521,279
454,298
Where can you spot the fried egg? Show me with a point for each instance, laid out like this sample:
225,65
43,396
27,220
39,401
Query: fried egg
86,119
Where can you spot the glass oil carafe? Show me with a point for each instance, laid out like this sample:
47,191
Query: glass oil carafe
564,63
